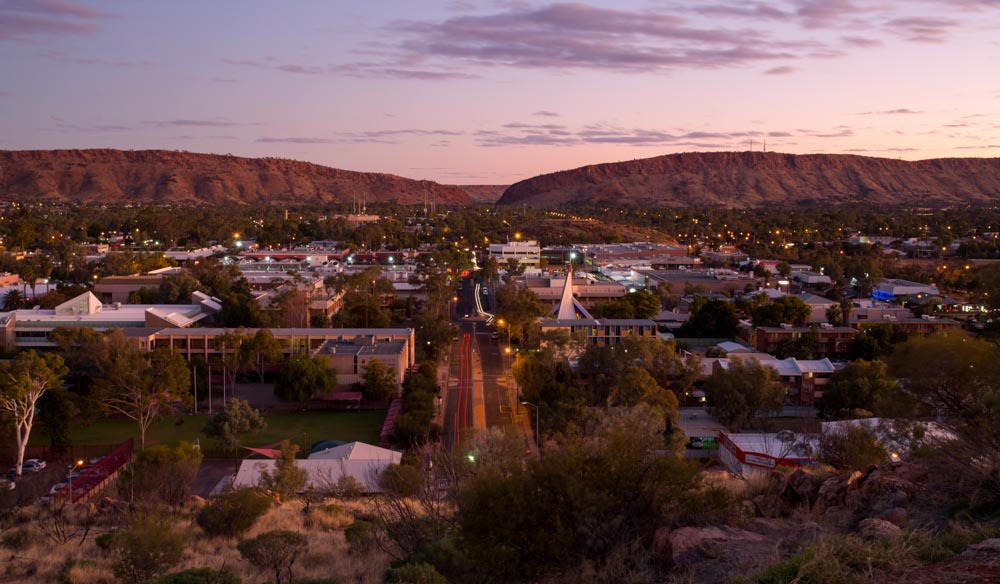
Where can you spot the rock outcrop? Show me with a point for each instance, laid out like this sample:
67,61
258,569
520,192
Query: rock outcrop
756,179
170,177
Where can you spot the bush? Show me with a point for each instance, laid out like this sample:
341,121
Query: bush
233,513
414,573
275,551
198,576
358,535
404,481
16,540
147,548
67,569
855,449
105,541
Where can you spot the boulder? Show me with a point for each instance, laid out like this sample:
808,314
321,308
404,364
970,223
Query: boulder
770,506
833,491
896,516
838,516
910,471
801,486
872,529
691,543
988,548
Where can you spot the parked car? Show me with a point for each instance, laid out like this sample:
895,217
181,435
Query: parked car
33,464
494,336
58,487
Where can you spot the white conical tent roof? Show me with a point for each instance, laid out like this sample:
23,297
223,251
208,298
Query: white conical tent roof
569,307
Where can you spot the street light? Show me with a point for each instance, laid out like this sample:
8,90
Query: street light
72,470
537,411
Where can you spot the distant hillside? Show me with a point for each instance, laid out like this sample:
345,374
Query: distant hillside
161,176
755,179
484,193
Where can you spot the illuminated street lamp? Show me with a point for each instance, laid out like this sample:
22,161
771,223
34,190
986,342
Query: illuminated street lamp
72,470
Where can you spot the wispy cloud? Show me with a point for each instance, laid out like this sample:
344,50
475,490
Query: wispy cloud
22,20
901,110
69,128
4,94
524,134
293,140
392,69
922,29
783,70
546,114
73,59
196,123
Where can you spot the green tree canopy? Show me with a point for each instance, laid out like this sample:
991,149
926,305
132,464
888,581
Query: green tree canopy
742,392
304,377
785,309
861,385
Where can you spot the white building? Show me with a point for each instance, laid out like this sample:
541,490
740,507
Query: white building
527,252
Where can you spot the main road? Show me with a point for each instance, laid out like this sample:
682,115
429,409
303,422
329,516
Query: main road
479,388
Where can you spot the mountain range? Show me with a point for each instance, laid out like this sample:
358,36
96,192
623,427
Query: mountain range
756,179
171,177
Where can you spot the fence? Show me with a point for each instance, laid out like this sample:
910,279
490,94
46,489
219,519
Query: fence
102,472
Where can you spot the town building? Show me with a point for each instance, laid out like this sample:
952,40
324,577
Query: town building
528,253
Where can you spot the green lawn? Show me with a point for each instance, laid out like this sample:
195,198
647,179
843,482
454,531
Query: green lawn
347,426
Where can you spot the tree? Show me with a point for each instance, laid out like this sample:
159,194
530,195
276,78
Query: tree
304,377
861,385
142,386
147,548
178,288
231,514
742,392
58,411
236,419
288,479
229,344
161,475
957,379
598,490
13,300
786,309
276,551
379,381
23,382
715,319
260,350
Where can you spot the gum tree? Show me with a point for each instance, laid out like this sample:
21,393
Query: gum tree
23,382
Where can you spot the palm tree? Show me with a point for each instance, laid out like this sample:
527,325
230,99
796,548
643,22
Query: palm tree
13,300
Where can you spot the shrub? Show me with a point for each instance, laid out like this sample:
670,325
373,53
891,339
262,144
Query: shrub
147,548
233,513
855,449
198,576
16,540
348,487
414,573
404,481
275,551
67,569
287,479
105,541
358,535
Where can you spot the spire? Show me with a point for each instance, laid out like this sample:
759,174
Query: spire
569,307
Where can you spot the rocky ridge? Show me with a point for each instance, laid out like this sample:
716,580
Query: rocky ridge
755,179
171,177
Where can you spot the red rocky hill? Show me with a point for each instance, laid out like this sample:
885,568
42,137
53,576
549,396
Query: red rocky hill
756,179
161,176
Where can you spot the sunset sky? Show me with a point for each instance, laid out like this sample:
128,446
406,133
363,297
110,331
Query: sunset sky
491,92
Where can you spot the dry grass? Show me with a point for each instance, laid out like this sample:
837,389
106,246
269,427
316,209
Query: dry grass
328,555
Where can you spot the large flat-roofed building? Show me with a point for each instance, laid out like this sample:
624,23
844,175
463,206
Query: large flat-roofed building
890,288
717,281
201,341
526,252
913,326
832,342
351,358
587,291
32,328
631,253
